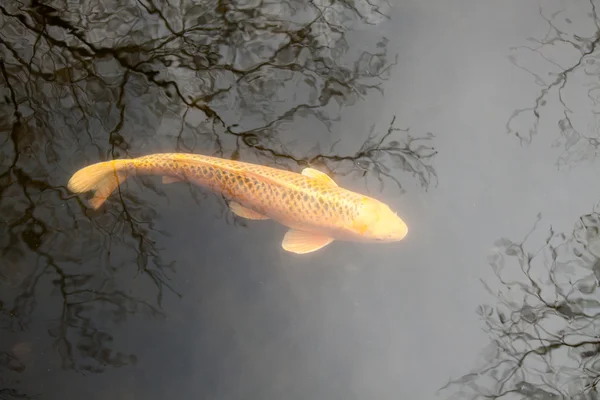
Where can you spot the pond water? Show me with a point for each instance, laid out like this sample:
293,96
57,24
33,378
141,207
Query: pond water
476,121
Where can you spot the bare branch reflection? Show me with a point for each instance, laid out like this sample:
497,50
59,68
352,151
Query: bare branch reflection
11,394
409,154
544,328
110,79
9,362
564,65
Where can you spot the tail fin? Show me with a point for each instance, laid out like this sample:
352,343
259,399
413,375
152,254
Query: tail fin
102,177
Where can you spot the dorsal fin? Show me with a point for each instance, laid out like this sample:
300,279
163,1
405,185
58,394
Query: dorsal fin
318,175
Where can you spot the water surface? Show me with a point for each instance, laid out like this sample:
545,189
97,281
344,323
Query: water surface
477,121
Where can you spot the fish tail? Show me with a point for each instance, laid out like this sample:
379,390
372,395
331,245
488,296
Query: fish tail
102,177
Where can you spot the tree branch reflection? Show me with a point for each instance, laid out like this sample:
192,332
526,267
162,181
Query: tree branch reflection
113,79
544,328
564,65
10,363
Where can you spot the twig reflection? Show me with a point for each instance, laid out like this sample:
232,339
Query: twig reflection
117,79
544,328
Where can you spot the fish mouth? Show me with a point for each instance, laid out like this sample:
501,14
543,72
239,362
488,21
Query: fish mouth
391,231
401,229
393,237
404,231
400,233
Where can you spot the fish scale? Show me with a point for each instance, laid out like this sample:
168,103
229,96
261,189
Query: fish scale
310,200
316,209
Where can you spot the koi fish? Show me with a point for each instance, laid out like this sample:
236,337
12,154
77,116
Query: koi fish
311,204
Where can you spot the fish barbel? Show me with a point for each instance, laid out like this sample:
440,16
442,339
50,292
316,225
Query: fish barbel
311,204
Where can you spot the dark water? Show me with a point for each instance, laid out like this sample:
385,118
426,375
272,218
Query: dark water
477,121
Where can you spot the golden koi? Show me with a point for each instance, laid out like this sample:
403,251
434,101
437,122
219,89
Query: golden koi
311,204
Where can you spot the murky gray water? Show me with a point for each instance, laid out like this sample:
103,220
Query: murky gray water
477,121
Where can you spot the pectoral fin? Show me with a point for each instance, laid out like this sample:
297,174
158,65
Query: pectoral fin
244,212
302,242
171,179
318,175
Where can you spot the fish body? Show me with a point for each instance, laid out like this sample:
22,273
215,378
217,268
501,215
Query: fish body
311,204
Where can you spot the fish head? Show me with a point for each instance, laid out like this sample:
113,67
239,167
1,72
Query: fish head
376,222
